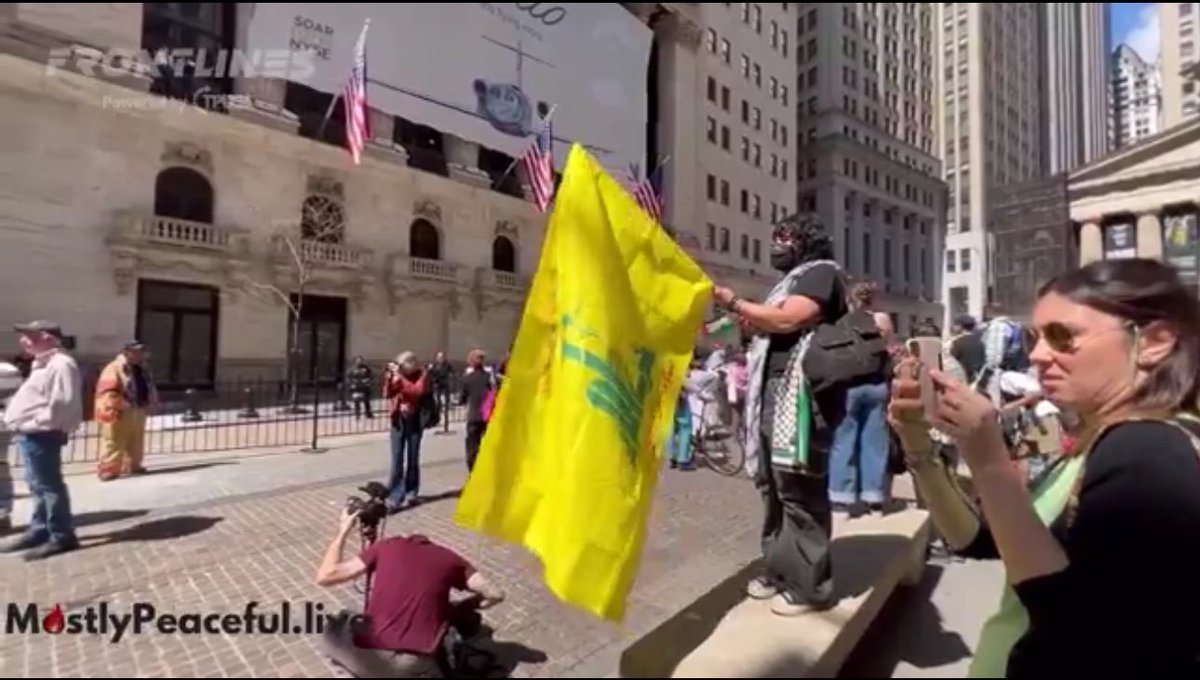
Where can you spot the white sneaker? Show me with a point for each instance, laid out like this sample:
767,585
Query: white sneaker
761,588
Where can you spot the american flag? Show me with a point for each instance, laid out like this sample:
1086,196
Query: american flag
647,191
539,166
354,99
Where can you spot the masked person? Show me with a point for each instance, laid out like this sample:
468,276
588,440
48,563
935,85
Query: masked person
792,478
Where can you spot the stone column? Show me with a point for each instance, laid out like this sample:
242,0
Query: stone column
462,159
381,145
1091,243
679,88
1149,236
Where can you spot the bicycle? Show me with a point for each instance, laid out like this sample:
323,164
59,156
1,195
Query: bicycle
719,445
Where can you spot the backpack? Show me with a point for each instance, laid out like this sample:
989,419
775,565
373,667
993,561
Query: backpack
1014,357
846,352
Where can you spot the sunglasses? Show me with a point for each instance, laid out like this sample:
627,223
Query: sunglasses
1063,339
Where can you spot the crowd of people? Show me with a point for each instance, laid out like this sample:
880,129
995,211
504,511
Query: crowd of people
1080,431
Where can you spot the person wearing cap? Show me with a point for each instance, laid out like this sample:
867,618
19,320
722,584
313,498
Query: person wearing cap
43,413
124,394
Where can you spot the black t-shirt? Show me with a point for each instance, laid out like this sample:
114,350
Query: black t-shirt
475,387
1128,601
823,285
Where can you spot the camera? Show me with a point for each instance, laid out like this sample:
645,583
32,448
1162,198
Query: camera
371,511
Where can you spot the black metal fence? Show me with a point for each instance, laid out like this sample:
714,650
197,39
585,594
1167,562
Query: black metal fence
249,414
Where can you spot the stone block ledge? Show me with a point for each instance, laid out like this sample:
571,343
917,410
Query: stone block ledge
725,634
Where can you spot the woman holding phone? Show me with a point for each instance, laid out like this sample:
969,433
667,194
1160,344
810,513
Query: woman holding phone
1102,551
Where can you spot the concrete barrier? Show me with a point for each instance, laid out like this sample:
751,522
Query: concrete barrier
726,634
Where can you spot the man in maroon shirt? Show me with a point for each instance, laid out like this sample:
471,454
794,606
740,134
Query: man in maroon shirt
409,611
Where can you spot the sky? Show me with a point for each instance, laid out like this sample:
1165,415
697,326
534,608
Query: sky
1136,24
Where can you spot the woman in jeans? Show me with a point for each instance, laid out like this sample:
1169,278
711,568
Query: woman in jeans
405,388
1102,551
863,429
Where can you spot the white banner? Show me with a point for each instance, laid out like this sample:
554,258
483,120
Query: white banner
484,71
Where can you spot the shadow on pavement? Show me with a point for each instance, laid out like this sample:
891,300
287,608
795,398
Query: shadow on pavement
89,519
183,468
491,658
908,630
155,530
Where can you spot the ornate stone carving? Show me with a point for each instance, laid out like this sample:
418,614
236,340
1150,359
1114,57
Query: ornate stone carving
324,185
428,209
187,154
508,228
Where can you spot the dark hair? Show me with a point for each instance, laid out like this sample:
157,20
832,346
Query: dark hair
1142,291
807,232
863,294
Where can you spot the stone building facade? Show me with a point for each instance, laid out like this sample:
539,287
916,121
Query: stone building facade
126,214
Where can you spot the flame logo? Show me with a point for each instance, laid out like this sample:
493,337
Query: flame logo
55,621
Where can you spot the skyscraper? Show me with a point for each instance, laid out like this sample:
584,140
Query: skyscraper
1136,97
1075,48
991,129
866,123
1178,25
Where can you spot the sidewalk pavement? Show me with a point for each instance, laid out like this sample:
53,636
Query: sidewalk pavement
210,535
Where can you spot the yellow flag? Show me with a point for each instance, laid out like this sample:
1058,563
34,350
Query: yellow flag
571,457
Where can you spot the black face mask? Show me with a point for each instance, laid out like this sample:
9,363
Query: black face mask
784,259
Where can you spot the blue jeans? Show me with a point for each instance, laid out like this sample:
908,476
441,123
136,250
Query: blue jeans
863,429
681,436
405,478
51,519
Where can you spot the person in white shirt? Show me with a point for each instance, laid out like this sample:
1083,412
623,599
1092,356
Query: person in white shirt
43,413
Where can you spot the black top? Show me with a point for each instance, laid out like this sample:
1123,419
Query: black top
141,385
1128,602
439,374
361,378
969,351
475,387
821,284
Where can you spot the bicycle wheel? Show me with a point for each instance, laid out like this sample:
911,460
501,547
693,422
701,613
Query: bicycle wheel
724,454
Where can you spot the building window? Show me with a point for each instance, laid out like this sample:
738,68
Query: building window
783,136
504,255
758,19
725,98
745,201
725,193
905,252
207,28
712,129
711,186
783,94
757,120
757,155
758,250
179,324
783,169
866,246
725,55
924,267
773,87
887,257
783,42
745,67
745,246
745,12
322,219
773,35
725,137
757,207
424,242
183,194
712,89
774,165
724,240
710,40
745,149
964,257
951,261
711,241
757,75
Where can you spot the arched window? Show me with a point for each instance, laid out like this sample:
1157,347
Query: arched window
322,219
184,194
504,255
424,241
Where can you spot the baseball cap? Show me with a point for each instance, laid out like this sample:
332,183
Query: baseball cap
40,326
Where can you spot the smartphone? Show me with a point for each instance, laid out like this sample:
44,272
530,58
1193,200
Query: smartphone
928,351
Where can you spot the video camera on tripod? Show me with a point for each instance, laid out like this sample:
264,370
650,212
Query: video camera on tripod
370,511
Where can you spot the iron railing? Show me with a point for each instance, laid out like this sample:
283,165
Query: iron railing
248,414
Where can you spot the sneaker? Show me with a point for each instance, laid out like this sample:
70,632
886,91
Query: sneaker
761,588
787,604
52,548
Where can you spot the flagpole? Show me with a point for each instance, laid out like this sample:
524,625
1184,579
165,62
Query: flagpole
333,102
545,122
